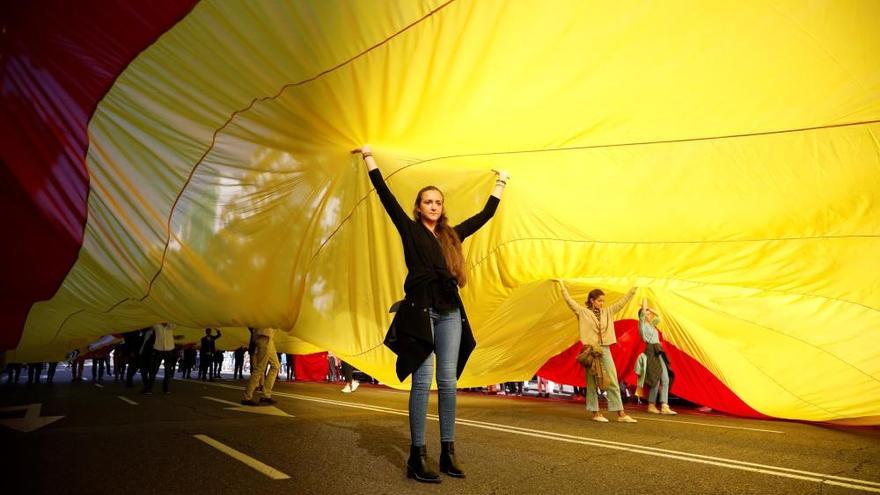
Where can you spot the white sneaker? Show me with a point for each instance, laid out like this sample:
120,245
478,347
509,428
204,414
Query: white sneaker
346,389
354,385
664,409
600,419
653,409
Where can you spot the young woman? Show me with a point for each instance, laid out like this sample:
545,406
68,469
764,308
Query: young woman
596,327
657,367
431,319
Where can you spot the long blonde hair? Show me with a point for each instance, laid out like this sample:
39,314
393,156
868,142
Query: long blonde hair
450,244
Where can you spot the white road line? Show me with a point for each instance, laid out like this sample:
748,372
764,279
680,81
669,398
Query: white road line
644,449
353,405
250,461
684,456
827,479
265,410
641,417
31,420
126,399
227,402
213,384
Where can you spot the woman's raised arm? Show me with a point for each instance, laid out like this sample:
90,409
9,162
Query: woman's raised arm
392,207
468,227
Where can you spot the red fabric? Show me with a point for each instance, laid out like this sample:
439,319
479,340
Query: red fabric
693,382
562,368
692,379
311,367
57,60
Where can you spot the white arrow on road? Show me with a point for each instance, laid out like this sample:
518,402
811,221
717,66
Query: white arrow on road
31,420
267,410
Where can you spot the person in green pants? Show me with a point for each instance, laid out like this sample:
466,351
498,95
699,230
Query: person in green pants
596,328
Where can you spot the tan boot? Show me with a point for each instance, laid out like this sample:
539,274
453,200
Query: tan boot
664,409
653,409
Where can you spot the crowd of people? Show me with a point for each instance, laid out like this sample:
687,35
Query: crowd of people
145,351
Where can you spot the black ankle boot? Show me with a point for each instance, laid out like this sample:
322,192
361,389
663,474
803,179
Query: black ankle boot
417,466
447,460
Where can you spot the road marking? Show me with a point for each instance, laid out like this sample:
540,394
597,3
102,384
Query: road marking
31,420
246,459
683,456
641,417
126,399
857,484
227,402
659,451
267,410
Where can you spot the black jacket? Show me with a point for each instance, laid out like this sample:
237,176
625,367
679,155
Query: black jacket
207,345
653,371
133,341
410,335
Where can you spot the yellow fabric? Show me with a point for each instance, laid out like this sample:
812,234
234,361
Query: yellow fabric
722,155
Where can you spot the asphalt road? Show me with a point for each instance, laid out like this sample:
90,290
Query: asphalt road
318,440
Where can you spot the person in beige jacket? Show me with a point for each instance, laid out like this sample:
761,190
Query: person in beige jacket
596,327
265,355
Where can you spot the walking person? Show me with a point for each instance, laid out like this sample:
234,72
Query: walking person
13,371
76,367
252,348
656,373
265,354
120,356
188,361
50,375
252,359
98,367
146,339
34,372
132,342
431,318
145,362
238,356
542,387
107,361
163,351
596,328
332,375
218,363
289,361
514,388
206,354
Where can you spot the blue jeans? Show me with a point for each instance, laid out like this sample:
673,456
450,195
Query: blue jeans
662,386
446,327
